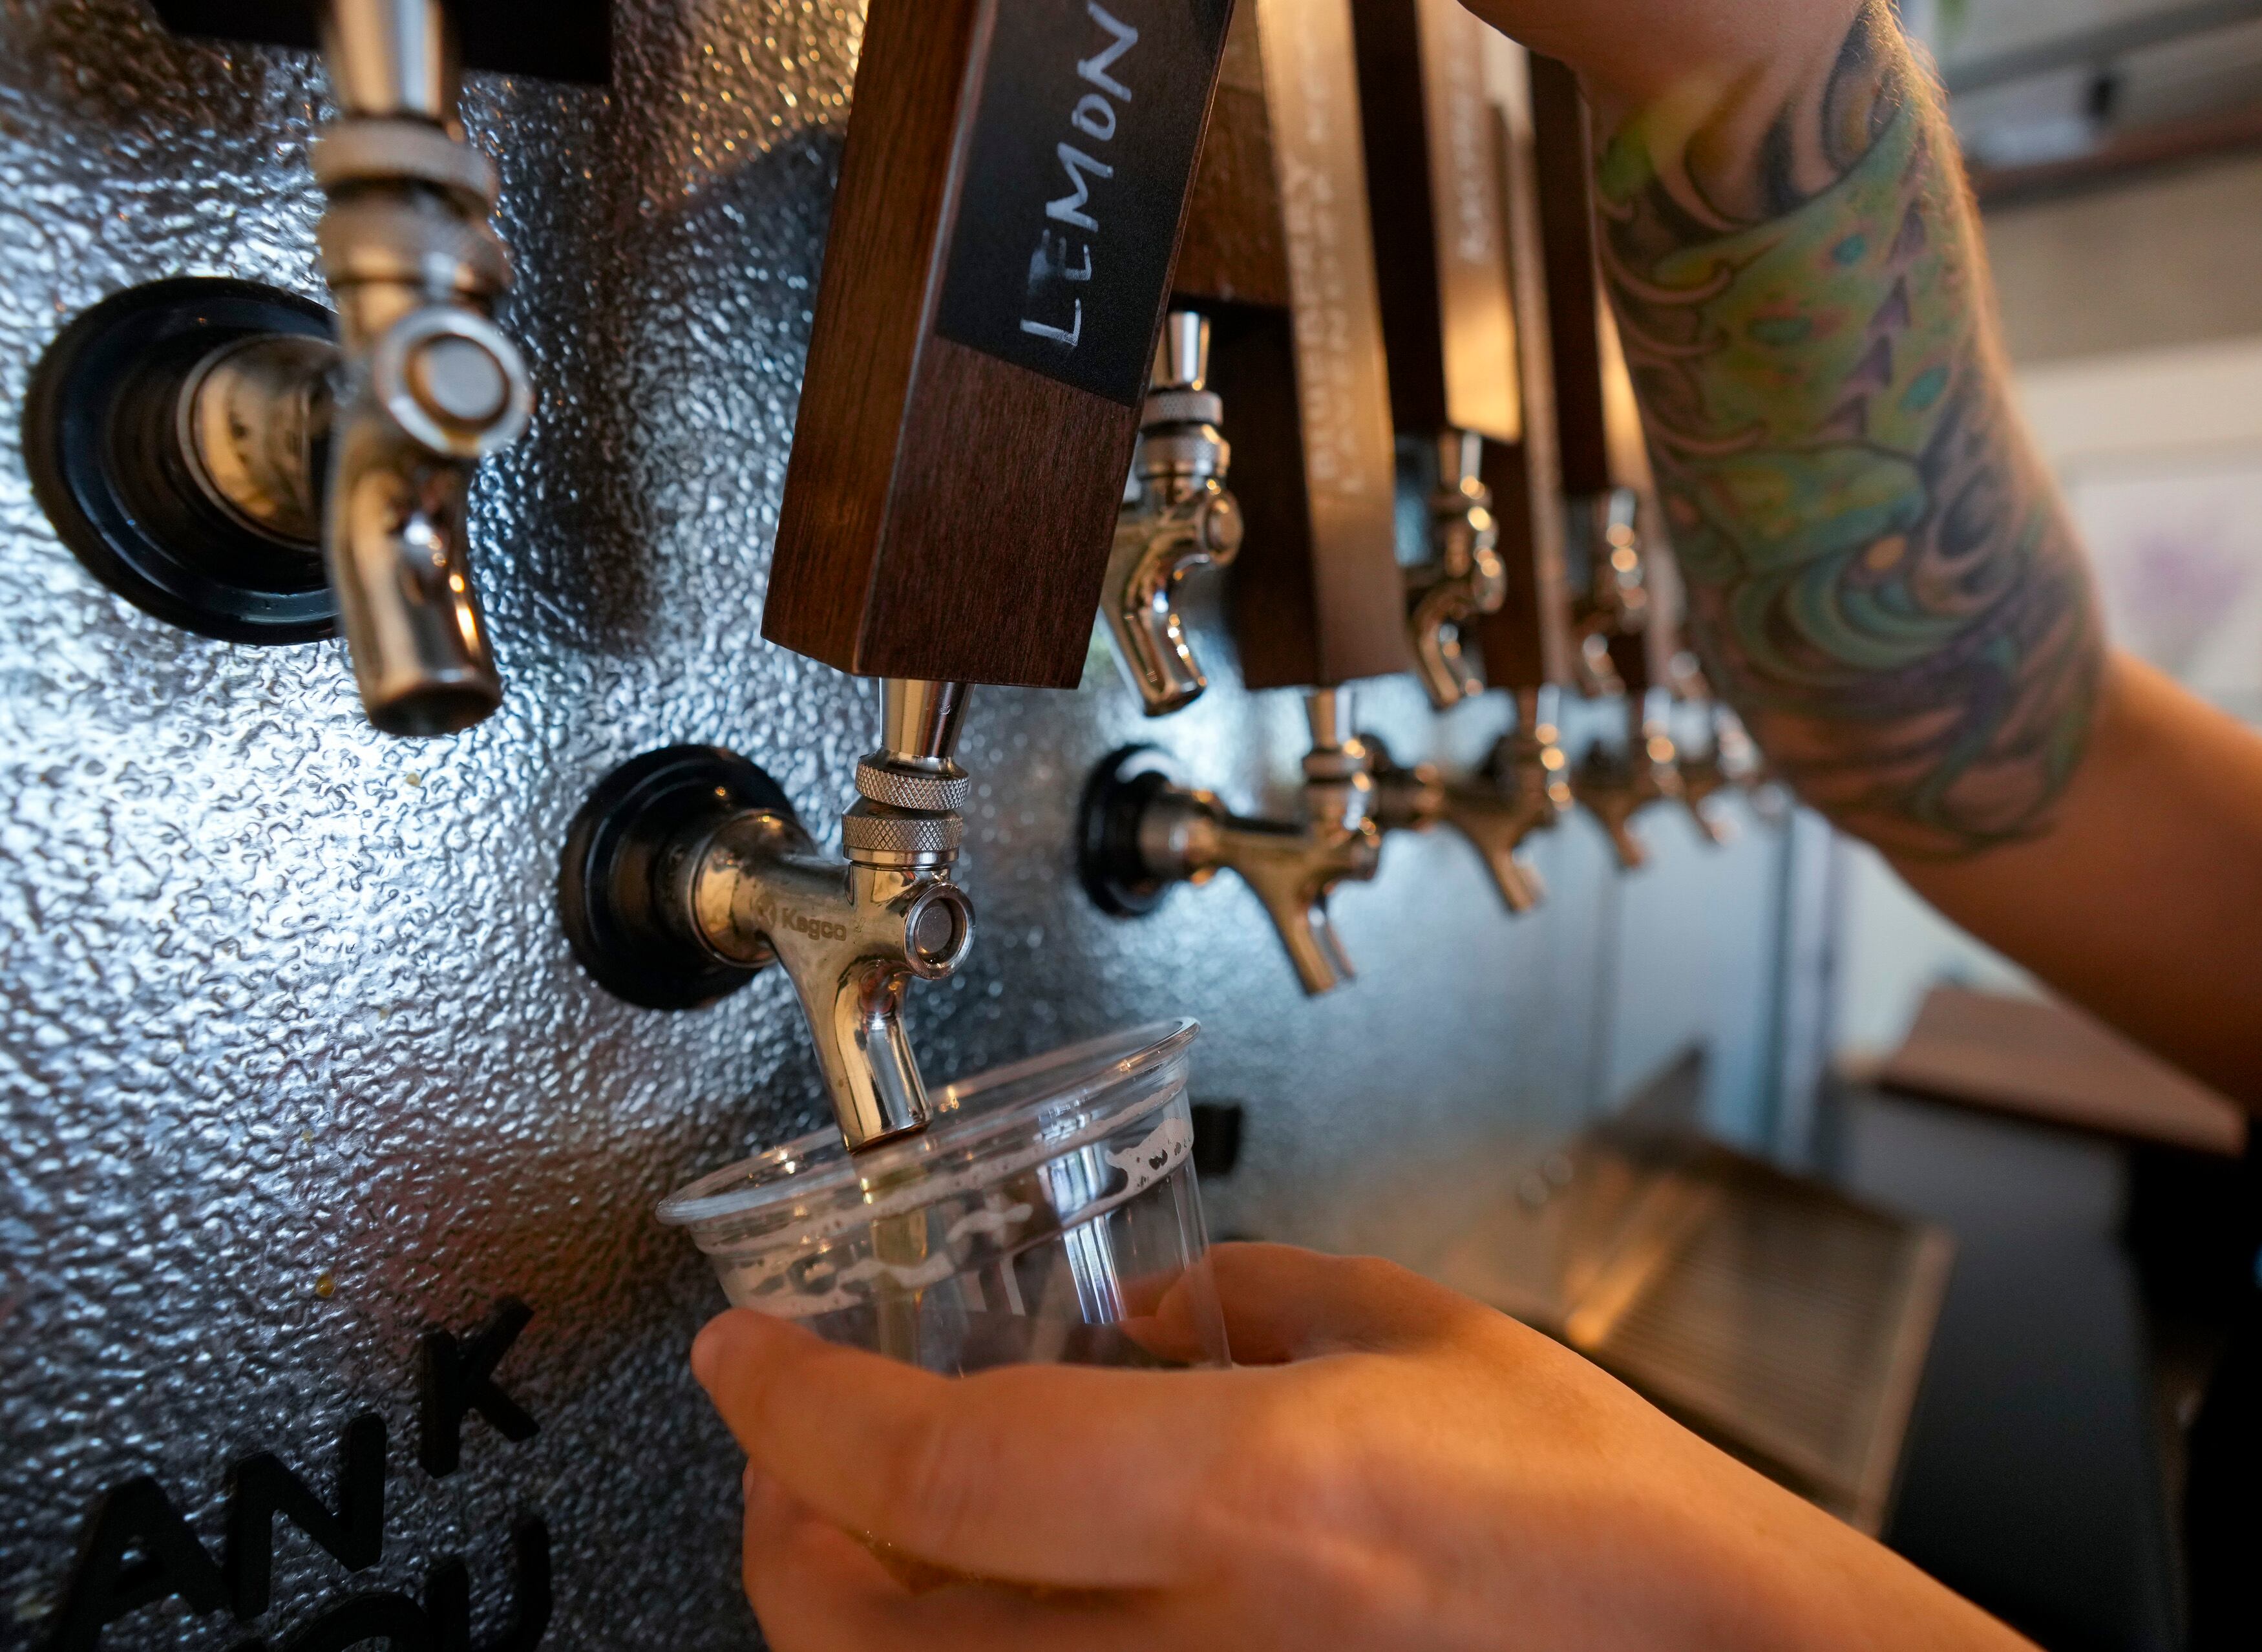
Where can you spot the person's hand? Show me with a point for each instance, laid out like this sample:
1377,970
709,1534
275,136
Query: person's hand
1392,1468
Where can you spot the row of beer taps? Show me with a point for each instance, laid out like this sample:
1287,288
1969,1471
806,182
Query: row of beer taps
1147,830
687,871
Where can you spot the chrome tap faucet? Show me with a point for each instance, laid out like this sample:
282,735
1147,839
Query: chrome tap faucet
687,873
429,385
1465,579
1145,831
1617,782
288,478
1605,531
1523,788
1177,516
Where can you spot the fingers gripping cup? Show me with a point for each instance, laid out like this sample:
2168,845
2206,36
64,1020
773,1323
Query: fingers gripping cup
1047,1216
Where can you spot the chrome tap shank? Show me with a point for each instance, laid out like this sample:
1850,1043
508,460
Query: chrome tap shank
1465,580
1177,516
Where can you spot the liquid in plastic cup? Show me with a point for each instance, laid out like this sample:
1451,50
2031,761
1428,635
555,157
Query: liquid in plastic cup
1048,1216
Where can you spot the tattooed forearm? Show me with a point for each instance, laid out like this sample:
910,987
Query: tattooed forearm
1880,574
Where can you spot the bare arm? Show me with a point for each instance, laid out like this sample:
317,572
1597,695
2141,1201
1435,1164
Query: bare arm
1881,576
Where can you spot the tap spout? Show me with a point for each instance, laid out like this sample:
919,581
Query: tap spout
1465,580
1177,516
429,385
1144,832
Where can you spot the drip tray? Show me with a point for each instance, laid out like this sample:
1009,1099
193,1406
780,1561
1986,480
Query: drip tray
1781,1320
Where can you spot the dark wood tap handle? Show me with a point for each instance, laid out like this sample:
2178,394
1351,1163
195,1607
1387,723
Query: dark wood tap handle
1527,644
1563,160
1448,318
1012,192
1280,253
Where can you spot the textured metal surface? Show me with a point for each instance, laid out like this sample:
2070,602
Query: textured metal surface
294,1062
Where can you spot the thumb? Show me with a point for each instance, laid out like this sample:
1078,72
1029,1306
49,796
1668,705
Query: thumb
1282,1304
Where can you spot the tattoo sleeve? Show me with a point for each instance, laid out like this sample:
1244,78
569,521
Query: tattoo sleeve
1881,576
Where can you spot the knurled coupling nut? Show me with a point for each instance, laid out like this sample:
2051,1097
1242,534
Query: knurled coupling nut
374,150
1183,406
921,790
910,834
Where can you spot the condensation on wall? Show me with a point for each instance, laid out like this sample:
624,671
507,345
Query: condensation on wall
294,1064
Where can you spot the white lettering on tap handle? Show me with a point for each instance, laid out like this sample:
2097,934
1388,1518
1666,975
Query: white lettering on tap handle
1095,118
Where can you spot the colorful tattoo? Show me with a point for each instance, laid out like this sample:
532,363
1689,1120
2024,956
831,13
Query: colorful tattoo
1881,577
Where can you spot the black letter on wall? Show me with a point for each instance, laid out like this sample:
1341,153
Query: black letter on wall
260,1488
393,1618
460,1380
135,1518
447,1596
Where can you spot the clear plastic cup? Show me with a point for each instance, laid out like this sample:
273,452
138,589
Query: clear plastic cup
1048,1216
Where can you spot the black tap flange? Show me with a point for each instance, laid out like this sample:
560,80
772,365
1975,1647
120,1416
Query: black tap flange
617,890
101,441
1109,861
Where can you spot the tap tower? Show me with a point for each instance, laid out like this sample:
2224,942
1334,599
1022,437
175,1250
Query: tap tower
993,301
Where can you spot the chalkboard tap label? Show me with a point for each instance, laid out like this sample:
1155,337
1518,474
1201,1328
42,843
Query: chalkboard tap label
1075,174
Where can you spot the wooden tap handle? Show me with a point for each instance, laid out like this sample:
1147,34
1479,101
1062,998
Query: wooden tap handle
1012,192
1563,161
1527,643
1448,316
1281,256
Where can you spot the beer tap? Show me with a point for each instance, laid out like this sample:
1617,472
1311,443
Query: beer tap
1618,779
1449,321
1317,599
1177,516
984,313
1721,758
429,385
1465,580
1603,600
211,448
689,872
1521,789
1145,831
